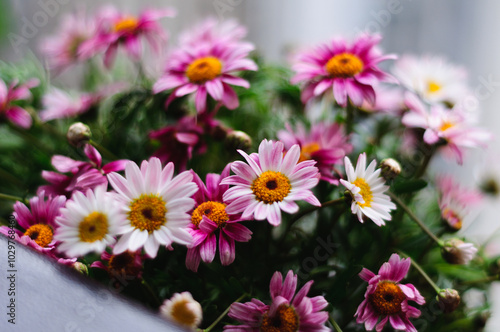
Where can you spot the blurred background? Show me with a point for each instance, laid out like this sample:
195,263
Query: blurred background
460,30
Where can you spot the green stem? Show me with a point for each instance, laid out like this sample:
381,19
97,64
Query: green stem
214,324
349,118
148,288
108,154
335,325
11,198
415,218
430,149
422,272
31,139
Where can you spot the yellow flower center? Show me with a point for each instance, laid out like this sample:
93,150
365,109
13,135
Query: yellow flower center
307,150
285,320
271,187
214,211
365,192
42,234
433,87
182,314
148,212
126,24
204,69
387,298
446,125
452,218
344,65
93,227
123,264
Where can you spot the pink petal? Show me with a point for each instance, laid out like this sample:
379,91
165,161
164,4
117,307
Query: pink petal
19,117
227,251
208,248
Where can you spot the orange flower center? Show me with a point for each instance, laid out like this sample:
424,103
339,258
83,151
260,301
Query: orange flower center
452,218
148,212
344,65
93,227
433,87
285,320
126,24
307,150
182,313
42,234
387,298
204,69
271,187
365,192
214,211
446,125
123,264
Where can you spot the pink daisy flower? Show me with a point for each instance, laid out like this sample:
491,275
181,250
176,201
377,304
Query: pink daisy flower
115,28
84,174
207,66
59,104
124,266
210,217
270,182
452,127
15,114
213,30
350,71
289,310
387,299
324,143
155,206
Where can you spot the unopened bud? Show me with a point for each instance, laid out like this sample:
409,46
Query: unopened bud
448,300
78,134
82,268
390,168
238,140
456,251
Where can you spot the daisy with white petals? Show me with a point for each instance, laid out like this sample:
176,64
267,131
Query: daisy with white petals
367,189
270,182
89,222
155,204
183,309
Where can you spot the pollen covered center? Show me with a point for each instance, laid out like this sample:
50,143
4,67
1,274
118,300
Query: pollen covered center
42,234
182,313
365,192
387,298
446,125
93,227
204,69
285,320
307,150
148,212
214,211
433,87
126,24
271,187
344,65
123,264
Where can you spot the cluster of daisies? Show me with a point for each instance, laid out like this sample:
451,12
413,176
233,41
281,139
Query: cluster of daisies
127,212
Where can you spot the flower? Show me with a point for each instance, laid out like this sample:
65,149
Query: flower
124,266
350,71
391,168
115,28
15,114
367,189
210,217
78,134
183,309
324,143
59,104
450,127
270,182
65,48
456,251
289,311
387,299
432,78
204,66
88,223
155,205
448,300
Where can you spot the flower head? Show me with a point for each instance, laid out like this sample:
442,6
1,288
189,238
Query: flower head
289,311
183,309
207,65
155,206
367,188
387,299
349,71
456,251
124,266
270,182
14,92
88,223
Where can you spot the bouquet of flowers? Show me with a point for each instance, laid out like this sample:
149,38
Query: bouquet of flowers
222,193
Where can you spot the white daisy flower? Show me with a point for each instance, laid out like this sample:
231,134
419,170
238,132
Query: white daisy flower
367,189
182,309
456,251
156,206
89,222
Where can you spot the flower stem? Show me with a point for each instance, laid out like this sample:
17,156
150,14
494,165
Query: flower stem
148,288
214,324
422,272
108,154
349,118
335,325
429,152
11,198
415,218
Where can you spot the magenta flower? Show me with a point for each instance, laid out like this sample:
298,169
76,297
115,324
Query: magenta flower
324,143
210,217
451,127
350,71
270,182
204,66
289,311
122,266
115,28
84,174
15,114
213,30
387,299
59,104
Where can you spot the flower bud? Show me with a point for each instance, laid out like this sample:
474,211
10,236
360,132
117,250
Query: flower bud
238,140
448,300
78,134
390,168
82,268
456,251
